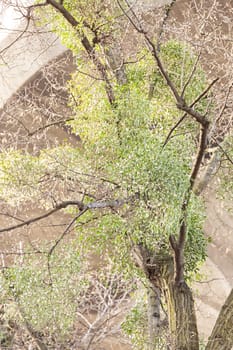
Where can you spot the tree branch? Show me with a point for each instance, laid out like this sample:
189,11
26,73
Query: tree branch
204,92
66,231
200,154
185,114
224,152
18,37
166,16
179,245
224,106
181,103
87,46
83,208
191,74
173,129
58,207
46,126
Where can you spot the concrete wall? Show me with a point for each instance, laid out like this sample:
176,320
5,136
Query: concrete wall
21,58
148,5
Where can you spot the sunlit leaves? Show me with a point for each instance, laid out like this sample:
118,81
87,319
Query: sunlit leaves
25,178
48,298
126,143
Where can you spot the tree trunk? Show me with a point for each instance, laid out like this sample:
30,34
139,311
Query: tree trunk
222,334
182,317
178,298
180,305
153,316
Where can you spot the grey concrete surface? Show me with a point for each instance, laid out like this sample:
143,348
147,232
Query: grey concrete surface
148,5
21,58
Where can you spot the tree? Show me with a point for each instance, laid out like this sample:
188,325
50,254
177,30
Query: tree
147,114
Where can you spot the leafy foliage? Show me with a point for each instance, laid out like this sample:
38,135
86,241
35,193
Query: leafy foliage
134,325
122,155
47,298
126,144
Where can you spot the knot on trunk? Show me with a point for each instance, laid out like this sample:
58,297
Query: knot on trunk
154,265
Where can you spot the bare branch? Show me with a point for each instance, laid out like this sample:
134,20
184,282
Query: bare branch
165,19
185,114
42,4
166,16
42,128
173,129
178,246
225,103
137,27
87,46
65,232
224,152
18,37
191,74
83,208
204,93
200,154
43,216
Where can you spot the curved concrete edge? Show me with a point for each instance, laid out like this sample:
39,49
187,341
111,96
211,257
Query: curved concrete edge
25,57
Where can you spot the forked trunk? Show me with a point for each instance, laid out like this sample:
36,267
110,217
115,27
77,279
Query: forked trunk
183,333
159,270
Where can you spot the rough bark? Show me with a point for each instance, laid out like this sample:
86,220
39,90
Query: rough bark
181,311
182,318
153,316
178,298
87,46
222,334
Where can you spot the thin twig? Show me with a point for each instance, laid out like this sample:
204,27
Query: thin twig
194,68
223,151
185,114
224,104
166,16
139,29
204,92
173,129
42,128
18,37
64,233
